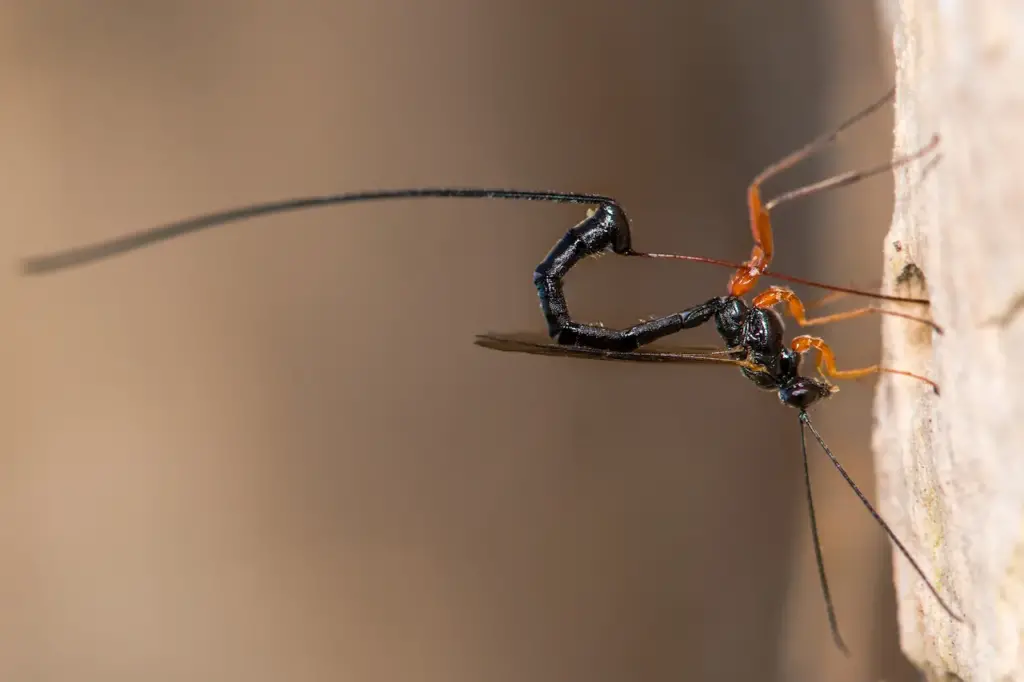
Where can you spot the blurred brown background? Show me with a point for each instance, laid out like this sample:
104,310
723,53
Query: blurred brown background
272,452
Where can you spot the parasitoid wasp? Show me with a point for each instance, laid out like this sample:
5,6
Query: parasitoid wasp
752,332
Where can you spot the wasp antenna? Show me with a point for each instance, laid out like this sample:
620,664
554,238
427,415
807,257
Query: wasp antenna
829,607
804,419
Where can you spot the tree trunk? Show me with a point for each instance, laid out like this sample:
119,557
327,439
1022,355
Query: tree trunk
951,467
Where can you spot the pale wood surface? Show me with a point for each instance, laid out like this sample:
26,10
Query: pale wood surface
951,468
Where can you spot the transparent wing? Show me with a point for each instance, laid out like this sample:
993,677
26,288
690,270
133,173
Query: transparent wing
538,344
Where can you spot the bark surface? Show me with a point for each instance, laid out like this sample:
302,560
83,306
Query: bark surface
951,467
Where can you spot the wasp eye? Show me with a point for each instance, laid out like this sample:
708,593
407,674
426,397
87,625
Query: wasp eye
804,392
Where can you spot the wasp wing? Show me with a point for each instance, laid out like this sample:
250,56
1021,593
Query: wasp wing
537,344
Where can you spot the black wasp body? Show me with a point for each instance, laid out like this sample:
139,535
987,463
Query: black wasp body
752,332
755,333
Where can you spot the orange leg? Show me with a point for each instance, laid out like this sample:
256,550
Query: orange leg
744,279
826,299
776,295
851,177
826,363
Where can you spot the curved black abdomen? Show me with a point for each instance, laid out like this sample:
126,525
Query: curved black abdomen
607,229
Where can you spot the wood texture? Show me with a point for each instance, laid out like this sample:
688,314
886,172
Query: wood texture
951,467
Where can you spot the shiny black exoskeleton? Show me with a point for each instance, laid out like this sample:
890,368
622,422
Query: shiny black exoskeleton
756,332
759,332
753,334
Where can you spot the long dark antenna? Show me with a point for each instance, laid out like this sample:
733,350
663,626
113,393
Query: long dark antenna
829,606
804,419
